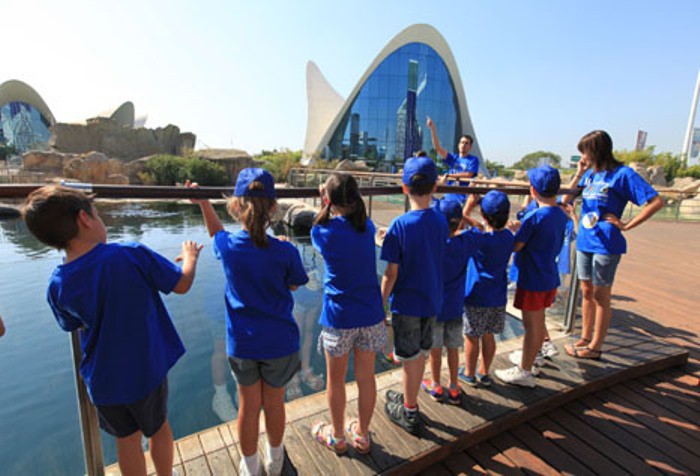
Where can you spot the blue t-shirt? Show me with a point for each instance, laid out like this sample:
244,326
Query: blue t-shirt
564,260
608,192
351,293
459,165
487,283
416,242
458,250
128,342
542,231
259,320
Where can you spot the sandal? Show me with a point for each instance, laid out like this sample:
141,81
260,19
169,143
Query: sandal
584,353
323,433
360,443
582,343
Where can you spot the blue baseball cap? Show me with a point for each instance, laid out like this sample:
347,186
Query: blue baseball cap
495,203
545,180
246,178
452,209
423,166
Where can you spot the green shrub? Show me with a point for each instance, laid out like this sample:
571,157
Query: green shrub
693,171
172,169
279,163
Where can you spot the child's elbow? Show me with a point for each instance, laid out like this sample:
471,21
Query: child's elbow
183,285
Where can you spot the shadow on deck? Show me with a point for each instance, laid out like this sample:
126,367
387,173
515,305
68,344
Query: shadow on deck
483,413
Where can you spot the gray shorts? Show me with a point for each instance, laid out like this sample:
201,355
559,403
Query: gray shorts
598,269
483,320
448,334
274,372
338,342
412,335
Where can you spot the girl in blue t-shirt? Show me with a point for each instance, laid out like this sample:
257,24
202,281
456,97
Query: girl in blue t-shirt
262,340
606,185
352,316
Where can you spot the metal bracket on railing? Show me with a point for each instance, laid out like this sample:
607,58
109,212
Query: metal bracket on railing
89,427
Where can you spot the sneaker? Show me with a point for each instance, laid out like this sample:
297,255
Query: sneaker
516,376
467,379
244,470
436,392
454,395
515,358
397,413
549,350
484,380
222,406
273,466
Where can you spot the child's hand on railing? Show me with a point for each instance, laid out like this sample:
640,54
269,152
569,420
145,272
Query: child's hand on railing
189,184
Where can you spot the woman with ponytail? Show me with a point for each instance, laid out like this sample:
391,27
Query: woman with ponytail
352,316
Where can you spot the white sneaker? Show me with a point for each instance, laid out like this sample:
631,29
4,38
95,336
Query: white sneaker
516,376
223,407
273,466
244,470
516,356
549,350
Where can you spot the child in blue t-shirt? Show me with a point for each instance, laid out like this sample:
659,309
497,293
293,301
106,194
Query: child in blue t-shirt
414,249
486,288
352,316
537,243
447,331
262,336
110,292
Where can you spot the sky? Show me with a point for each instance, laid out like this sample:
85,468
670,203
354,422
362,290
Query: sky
537,74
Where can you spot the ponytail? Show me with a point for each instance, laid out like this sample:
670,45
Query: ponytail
255,213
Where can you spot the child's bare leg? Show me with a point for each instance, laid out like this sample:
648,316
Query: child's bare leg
367,386
534,337
250,402
453,365
471,354
603,315
435,365
162,449
488,352
130,455
413,371
337,369
275,416
588,311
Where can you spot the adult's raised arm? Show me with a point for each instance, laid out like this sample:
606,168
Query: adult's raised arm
436,140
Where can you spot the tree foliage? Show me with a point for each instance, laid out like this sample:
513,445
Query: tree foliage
171,169
279,162
533,159
6,150
498,170
673,164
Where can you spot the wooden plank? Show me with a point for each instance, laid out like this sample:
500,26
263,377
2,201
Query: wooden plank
299,458
211,440
583,450
379,459
220,462
235,456
190,448
493,460
516,452
437,470
671,396
550,452
462,464
197,467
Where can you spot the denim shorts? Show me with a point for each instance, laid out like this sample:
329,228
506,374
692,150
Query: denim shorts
448,334
412,335
598,269
146,415
274,372
338,342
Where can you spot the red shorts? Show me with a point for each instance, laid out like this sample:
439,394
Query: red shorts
533,300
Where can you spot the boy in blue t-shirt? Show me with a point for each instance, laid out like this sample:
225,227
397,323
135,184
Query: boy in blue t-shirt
537,244
414,249
111,294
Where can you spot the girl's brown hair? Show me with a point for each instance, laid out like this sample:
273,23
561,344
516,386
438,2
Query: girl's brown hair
342,191
599,147
255,213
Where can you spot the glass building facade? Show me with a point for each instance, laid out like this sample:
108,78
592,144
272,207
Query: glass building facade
386,121
23,127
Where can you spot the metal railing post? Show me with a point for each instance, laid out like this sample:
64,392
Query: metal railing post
572,301
89,427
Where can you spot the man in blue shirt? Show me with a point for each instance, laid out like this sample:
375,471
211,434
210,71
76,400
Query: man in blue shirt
111,293
462,166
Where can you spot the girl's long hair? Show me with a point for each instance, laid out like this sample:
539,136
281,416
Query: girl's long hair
255,213
599,147
342,191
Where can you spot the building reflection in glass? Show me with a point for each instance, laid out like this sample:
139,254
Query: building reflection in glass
23,127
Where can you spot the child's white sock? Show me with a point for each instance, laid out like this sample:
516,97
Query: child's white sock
274,452
252,463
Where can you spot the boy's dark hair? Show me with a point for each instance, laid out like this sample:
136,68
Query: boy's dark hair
468,137
496,221
598,146
420,188
51,214
342,191
420,153
453,224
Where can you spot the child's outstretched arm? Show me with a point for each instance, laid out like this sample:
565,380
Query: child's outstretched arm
2,327
188,256
211,219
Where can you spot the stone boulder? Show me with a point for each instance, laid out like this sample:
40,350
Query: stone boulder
91,168
117,179
45,161
686,184
520,175
233,160
349,165
656,175
641,170
134,168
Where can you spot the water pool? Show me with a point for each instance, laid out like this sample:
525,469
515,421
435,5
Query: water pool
39,425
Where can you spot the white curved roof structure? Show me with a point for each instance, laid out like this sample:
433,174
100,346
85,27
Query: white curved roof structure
326,108
124,114
18,91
